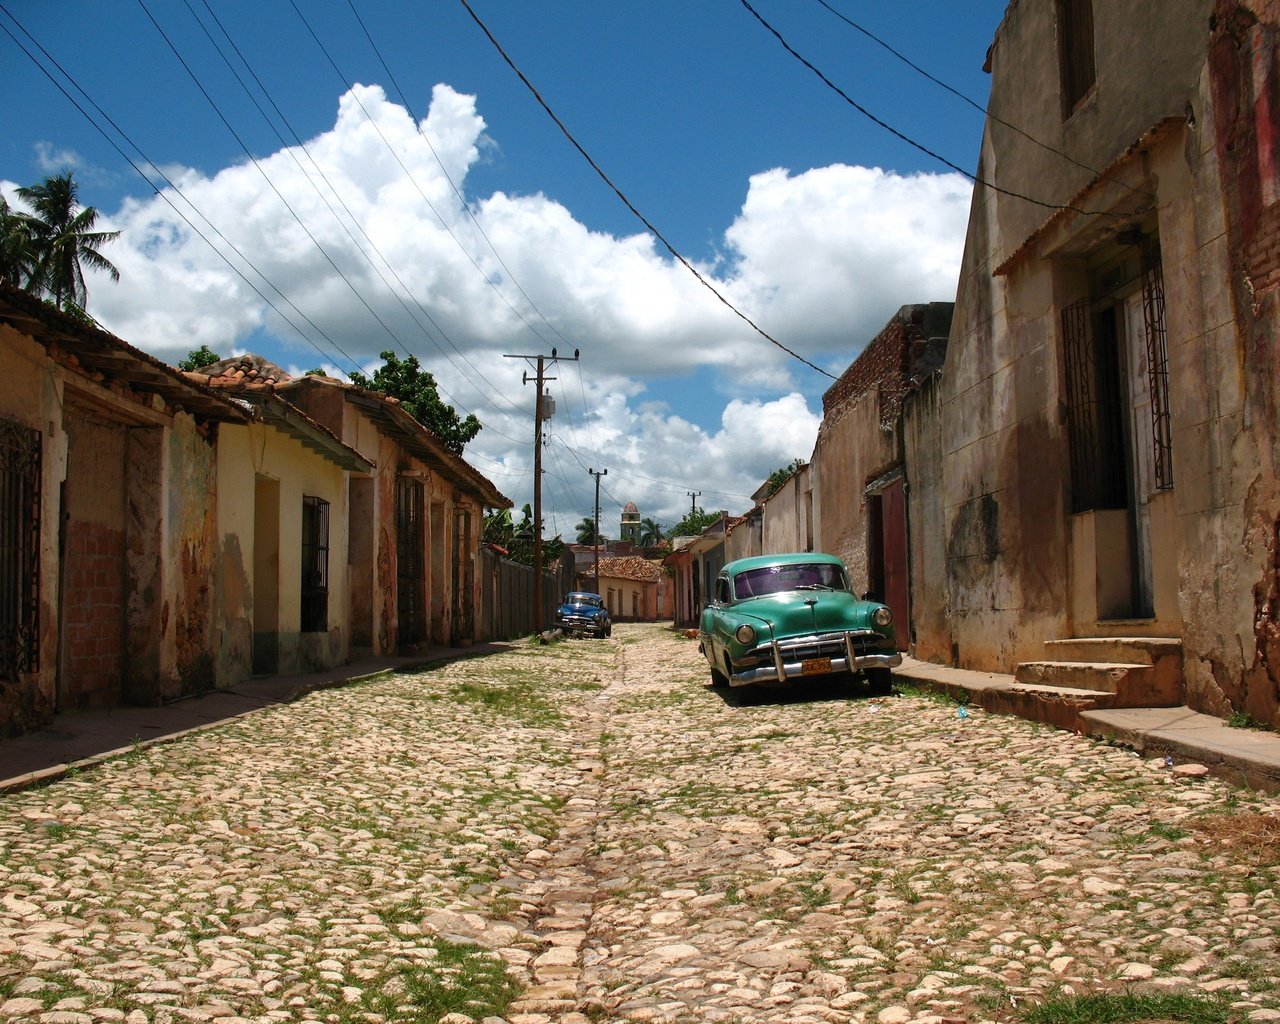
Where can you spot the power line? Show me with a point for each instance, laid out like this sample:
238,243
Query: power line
354,220
176,190
456,191
267,178
906,138
973,103
631,206
413,180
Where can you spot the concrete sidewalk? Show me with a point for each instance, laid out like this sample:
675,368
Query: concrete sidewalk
1248,757
80,739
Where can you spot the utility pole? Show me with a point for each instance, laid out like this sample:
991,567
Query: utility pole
543,407
596,538
693,502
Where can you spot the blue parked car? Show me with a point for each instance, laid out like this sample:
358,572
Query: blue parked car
584,614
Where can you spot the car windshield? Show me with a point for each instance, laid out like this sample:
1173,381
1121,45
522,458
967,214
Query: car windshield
588,599
778,579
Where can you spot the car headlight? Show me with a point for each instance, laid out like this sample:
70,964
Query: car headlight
882,616
745,634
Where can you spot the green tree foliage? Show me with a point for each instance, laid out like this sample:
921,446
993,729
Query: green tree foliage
778,477
45,251
650,533
415,389
17,257
587,532
516,537
694,523
197,358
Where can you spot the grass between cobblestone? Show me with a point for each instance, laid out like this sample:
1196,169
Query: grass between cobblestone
936,875
284,867
279,867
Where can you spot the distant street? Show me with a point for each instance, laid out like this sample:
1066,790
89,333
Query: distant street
585,831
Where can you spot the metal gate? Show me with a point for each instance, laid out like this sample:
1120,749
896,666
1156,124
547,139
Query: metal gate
19,549
411,562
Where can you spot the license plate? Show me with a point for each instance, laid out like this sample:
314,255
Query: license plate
815,667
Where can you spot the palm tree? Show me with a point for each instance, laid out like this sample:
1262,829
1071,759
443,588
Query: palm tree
17,258
650,533
587,531
64,241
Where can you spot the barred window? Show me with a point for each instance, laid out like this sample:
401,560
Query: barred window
20,451
1157,362
315,565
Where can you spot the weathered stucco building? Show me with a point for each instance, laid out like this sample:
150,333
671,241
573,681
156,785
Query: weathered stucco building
416,522
108,545
864,468
404,516
1107,409
630,587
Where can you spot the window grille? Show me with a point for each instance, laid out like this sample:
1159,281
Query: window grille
20,450
315,565
410,560
1075,51
1095,424
1157,361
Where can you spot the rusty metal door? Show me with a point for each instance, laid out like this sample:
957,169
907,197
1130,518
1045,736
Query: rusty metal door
893,539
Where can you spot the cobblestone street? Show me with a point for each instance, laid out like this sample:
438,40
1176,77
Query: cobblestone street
585,831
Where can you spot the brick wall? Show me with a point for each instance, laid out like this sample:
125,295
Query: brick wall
93,602
892,360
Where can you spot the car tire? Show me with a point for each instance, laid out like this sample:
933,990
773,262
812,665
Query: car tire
880,681
718,679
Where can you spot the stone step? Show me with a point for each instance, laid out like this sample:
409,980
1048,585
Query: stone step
1059,706
1127,650
1108,676
1131,685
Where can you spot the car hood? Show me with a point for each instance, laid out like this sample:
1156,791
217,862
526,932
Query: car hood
581,609
810,611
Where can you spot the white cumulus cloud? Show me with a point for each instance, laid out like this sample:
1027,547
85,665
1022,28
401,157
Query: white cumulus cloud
359,241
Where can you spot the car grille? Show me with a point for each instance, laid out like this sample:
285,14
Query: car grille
577,620
827,645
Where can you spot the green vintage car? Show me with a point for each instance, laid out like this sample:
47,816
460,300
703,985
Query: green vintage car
778,619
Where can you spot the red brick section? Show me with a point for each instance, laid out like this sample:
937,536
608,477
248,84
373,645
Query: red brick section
888,362
93,605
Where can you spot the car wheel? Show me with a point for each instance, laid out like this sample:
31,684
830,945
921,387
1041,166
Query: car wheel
718,678
608,631
880,681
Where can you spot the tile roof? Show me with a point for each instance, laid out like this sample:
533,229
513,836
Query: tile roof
633,567
243,371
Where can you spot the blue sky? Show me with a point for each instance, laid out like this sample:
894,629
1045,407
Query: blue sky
808,216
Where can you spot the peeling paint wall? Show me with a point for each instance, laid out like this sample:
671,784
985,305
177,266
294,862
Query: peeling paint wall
31,395
1200,93
191,553
1239,665
93,586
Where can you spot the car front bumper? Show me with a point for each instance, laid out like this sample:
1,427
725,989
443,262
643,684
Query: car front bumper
810,656
579,624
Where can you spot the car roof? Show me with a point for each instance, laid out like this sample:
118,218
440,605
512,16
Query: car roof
796,558
581,593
